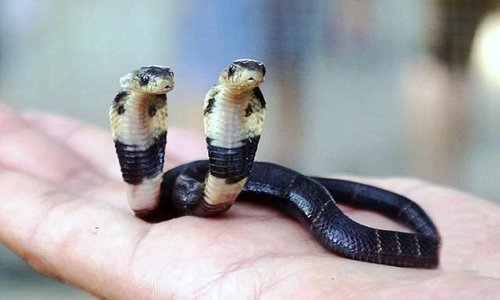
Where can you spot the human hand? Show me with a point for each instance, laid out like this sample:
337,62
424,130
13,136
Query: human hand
63,209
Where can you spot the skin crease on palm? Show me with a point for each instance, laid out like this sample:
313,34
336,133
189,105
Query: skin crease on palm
63,210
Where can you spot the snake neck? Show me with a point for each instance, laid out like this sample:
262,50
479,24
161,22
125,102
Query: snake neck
142,117
225,123
139,126
233,124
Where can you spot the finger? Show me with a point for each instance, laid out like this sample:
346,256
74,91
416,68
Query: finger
75,240
96,145
29,151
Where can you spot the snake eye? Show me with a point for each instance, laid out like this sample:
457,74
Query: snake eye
144,79
231,70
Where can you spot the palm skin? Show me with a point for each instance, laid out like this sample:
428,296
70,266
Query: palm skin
64,211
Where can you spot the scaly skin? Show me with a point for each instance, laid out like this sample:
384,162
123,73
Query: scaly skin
234,114
312,205
138,119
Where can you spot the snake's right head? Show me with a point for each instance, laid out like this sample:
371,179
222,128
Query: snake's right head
151,80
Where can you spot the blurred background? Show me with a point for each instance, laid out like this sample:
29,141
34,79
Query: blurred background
376,88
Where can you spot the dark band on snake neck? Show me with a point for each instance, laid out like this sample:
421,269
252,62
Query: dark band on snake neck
138,165
232,164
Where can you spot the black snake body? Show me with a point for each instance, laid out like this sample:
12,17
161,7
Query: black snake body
310,201
210,187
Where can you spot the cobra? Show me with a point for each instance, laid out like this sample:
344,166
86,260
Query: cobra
234,113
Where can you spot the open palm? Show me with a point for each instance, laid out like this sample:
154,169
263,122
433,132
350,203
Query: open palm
63,209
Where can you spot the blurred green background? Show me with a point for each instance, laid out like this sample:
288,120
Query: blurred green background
376,88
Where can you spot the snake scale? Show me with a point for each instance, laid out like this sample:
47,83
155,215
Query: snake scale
234,113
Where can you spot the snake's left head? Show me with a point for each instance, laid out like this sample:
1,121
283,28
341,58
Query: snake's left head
151,80
243,74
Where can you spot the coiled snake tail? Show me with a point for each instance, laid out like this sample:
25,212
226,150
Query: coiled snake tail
312,205
392,205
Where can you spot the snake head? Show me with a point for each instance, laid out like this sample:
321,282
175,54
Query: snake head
152,80
243,74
